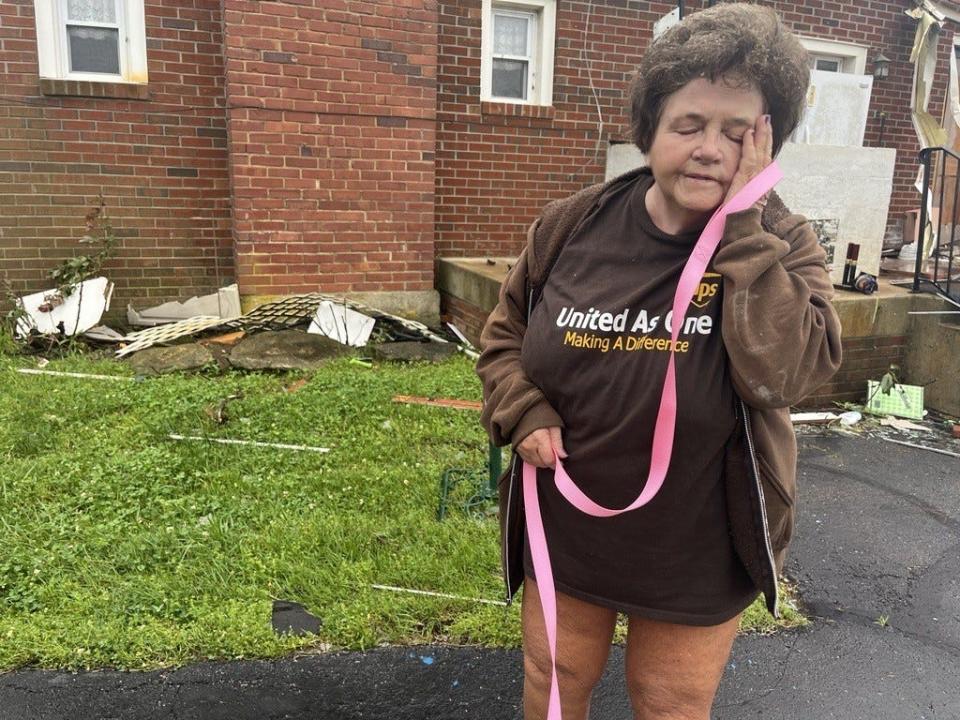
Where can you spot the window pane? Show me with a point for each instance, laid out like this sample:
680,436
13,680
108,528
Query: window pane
828,65
510,35
510,79
102,11
94,49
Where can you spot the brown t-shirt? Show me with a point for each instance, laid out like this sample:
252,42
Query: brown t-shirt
597,346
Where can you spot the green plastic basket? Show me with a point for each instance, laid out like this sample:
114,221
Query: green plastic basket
904,401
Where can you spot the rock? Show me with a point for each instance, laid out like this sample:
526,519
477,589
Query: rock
285,350
411,351
160,360
292,618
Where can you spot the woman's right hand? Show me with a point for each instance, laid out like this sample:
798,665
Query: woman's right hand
538,447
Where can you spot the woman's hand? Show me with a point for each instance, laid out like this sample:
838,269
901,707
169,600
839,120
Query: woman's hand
537,447
755,155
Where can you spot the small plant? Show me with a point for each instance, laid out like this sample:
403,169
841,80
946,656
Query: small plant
73,271
67,276
882,621
12,319
7,344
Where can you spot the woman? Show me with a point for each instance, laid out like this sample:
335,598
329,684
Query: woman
573,365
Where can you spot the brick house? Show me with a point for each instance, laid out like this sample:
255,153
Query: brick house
345,145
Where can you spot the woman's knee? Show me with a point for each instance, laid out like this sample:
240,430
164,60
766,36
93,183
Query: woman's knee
573,677
654,701
584,633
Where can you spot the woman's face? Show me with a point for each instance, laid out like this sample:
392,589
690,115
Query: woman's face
696,150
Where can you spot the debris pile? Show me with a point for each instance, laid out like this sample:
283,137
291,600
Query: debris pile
296,332
893,412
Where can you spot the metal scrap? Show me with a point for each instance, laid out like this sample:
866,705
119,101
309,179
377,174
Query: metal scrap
922,447
298,309
142,339
813,418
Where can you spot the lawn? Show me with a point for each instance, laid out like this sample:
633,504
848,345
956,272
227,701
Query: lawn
123,548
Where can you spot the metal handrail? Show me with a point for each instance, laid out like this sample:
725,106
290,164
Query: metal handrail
927,158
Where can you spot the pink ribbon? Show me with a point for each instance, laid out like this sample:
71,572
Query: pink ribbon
662,436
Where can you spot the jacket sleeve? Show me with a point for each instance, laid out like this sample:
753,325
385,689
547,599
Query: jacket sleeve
780,329
513,406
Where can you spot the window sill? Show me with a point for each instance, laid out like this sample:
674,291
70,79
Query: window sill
488,107
84,88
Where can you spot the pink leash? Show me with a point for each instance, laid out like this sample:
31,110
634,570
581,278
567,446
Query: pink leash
662,436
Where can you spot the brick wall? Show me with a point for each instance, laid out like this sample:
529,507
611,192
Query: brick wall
497,168
160,162
864,358
468,318
332,139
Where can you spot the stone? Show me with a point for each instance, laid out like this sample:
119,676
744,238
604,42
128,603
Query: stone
292,618
414,351
285,350
176,358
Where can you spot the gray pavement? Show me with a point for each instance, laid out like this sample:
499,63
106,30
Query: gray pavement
878,536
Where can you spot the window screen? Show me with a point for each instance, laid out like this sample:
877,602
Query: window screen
512,54
93,36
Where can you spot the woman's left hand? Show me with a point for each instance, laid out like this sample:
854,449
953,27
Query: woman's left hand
755,155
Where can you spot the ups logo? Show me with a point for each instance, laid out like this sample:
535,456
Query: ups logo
707,289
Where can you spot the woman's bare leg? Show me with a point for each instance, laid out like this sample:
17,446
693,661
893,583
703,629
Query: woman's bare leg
673,671
584,634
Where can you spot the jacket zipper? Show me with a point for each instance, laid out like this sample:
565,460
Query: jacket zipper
768,546
506,533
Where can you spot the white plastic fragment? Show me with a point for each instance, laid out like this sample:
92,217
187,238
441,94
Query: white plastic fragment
850,418
102,332
429,593
254,443
78,312
342,324
84,376
899,424
466,347
224,304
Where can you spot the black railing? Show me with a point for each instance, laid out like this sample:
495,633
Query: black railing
941,178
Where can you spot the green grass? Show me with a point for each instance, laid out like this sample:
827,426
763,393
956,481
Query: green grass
124,549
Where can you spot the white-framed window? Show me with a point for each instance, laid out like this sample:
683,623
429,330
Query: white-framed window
827,63
94,40
517,46
833,56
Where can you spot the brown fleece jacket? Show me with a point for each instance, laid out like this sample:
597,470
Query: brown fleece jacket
779,328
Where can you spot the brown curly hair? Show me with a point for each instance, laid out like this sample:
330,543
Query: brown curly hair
740,43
